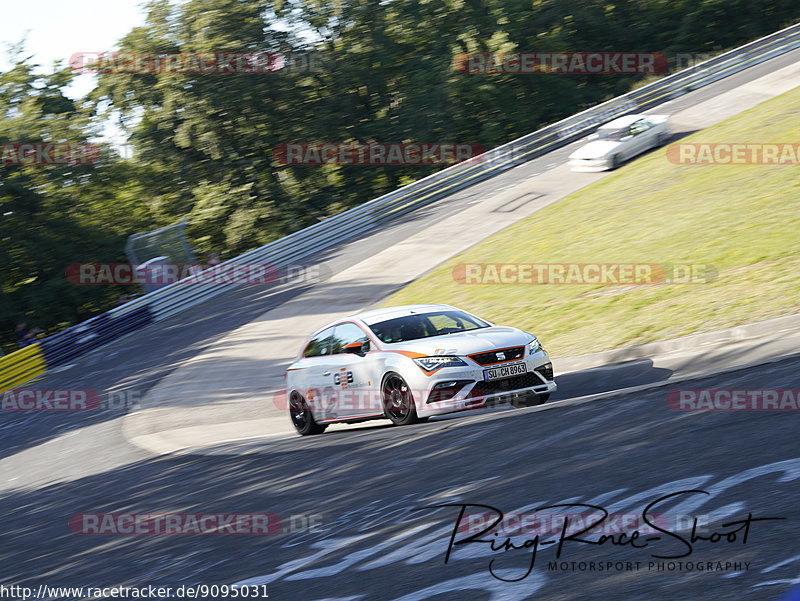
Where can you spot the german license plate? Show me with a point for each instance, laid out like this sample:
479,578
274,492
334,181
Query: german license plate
497,373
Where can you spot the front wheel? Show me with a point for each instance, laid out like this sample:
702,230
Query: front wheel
398,402
302,418
616,161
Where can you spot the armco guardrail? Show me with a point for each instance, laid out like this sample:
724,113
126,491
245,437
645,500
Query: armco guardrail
182,295
88,335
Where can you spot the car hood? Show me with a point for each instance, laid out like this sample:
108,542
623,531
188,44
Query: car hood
595,150
465,343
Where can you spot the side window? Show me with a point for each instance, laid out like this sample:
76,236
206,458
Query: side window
638,127
347,333
320,345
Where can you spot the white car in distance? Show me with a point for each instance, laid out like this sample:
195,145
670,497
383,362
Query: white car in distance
619,140
408,363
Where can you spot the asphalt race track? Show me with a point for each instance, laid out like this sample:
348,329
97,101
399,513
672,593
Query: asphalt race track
364,486
139,361
370,544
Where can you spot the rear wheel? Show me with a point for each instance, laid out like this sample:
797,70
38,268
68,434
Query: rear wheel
398,402
302,418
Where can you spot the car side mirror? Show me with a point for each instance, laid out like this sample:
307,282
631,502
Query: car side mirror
356,348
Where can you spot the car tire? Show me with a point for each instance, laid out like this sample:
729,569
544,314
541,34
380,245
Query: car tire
615,161
662,139
398,402
301,416
530,399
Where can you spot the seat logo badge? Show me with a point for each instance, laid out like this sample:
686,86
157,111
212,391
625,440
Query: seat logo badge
343,378
501,356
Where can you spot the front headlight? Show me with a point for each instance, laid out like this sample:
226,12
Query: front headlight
438,362
534,346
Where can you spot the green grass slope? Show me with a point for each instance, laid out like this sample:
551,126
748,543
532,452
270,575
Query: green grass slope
742,219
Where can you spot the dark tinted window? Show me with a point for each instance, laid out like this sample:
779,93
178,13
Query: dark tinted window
425,325
320,345
640,126
347,333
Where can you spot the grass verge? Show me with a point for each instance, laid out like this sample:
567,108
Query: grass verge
742,219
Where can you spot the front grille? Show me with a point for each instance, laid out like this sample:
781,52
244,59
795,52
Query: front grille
498,356
485,388
546,370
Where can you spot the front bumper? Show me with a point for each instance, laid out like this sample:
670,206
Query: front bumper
590,165
475,392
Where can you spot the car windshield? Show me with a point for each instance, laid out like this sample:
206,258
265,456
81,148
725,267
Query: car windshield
425,325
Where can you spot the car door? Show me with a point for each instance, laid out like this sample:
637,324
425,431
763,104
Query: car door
316,363
351,374
640,138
